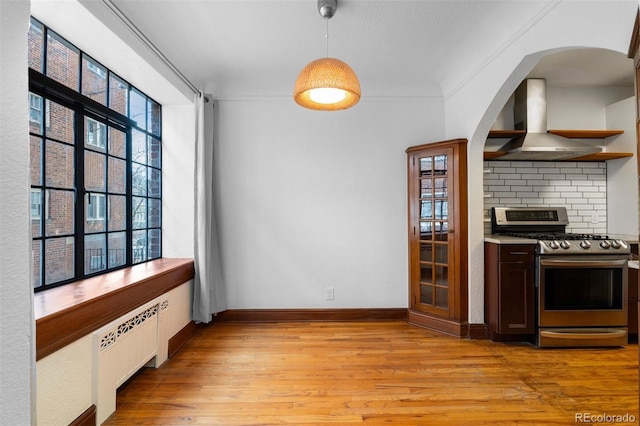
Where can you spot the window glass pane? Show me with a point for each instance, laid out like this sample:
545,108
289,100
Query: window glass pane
117,143
59,122
118,90
426,166
95,134
154,152
36,36
35,160
139,179
58,214
442,251
139,147
95,253
441,187
153,207
36,253
442,297
36,212
59,263
426,209
138,108
35,114
154,182
117,249
95,212
440,164
94,80
139,213
117,175
139,249
154,244
59,164
154,117
94,171
62,61
117,216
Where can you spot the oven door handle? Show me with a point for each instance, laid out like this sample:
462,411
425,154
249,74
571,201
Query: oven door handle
584,263
572,334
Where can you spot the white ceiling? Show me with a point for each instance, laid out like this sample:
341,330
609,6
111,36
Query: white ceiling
398,48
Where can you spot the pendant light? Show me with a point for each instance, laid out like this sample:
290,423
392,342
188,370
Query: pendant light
327,84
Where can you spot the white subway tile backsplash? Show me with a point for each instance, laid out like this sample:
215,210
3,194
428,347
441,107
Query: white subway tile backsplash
581,187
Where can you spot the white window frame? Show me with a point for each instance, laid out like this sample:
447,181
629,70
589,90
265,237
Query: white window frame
98,212
36,204
35,108
97,137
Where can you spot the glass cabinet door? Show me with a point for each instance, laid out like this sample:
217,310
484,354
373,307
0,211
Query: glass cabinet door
434,230
437,231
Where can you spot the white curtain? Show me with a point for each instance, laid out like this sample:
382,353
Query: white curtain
209,295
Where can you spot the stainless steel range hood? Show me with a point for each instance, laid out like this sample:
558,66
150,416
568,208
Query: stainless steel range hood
530,114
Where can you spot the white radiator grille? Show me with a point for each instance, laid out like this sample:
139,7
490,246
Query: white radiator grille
121,348
111,337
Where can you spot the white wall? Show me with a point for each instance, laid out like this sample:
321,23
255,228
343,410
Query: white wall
178,150
472,109
622,174
317,199
17,360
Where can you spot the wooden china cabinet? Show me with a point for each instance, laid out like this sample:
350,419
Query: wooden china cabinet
437,203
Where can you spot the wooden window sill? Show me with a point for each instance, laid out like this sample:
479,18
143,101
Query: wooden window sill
65,314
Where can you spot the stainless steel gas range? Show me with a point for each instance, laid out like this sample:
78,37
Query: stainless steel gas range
581,279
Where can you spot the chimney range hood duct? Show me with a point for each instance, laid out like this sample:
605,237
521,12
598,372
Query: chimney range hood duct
530,114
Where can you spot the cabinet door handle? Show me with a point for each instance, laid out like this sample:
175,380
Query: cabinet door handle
518,252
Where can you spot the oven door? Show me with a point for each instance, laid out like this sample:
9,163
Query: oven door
582,300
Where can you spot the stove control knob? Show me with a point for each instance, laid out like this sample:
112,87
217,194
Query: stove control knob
585,244
565,244
622,243
615,244
605,244
553,244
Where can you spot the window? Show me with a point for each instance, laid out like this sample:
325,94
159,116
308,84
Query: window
96,133
95,207
36,204
95,143
35,109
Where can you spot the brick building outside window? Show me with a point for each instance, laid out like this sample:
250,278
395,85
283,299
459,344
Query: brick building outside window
95,161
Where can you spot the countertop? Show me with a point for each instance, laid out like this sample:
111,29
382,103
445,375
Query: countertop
505,239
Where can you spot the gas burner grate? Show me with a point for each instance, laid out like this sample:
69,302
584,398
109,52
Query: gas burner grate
559,236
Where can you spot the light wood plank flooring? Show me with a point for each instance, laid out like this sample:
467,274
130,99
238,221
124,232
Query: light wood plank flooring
374,372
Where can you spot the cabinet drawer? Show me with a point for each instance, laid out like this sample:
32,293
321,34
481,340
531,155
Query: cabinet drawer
516,253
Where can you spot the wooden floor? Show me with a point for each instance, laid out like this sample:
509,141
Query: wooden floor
374,372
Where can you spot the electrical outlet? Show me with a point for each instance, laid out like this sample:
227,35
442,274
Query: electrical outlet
328,293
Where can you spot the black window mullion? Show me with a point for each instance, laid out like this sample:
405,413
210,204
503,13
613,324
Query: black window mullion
129,197
79,193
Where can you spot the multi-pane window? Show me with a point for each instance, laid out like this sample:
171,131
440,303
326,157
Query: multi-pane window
95,144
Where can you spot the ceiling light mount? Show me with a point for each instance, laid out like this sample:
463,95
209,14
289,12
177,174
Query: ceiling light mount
327,8
327,84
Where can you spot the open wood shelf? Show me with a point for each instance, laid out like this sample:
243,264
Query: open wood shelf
598,156
586,134
572,134
506,133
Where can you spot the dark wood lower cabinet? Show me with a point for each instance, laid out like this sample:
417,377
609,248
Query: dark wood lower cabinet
509,292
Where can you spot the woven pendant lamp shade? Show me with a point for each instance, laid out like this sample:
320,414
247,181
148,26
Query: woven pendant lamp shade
327,73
